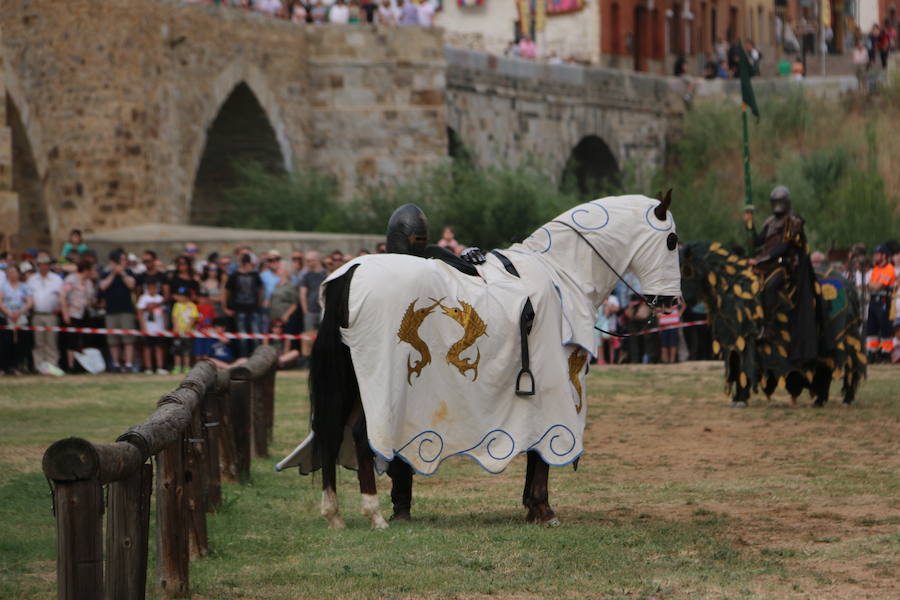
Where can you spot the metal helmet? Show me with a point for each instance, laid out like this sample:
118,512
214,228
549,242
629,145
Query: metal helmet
407,231
781,200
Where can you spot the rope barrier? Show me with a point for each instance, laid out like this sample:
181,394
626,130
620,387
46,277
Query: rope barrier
237,336
665,327
164,334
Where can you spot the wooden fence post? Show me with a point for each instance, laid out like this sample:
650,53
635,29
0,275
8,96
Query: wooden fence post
260,441
172,558
241,421
212,430
79,546
269,400
127,533
221,402
195,488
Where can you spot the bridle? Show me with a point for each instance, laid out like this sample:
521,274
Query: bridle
652,301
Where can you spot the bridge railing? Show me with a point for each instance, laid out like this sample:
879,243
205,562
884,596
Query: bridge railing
201,432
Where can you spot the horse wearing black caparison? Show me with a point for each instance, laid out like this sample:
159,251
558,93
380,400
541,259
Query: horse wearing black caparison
732,292
547,403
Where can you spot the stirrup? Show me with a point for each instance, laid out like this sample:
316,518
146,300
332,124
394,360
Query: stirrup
519,390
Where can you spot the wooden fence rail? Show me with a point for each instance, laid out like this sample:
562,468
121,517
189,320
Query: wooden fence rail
200,433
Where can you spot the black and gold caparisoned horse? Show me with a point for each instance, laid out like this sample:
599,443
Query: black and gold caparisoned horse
731,290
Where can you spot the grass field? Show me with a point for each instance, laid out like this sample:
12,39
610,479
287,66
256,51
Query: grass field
678,496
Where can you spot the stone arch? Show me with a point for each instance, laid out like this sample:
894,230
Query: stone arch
457,149
243,124
591,169
34,224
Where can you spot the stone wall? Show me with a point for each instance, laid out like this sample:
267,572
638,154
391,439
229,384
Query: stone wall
129,90
504,110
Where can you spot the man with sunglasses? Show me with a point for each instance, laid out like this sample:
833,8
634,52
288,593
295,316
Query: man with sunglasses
151,272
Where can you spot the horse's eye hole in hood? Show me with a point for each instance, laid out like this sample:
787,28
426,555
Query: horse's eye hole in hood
672,241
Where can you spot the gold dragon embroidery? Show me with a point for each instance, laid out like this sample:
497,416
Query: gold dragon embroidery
577,360
474,328
409,333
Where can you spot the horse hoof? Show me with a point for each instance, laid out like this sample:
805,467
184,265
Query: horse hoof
738,404
401,516
379,523
336,523
554,522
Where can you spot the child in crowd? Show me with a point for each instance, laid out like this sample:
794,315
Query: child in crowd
184,319
669,335
151,317
220,350
207,314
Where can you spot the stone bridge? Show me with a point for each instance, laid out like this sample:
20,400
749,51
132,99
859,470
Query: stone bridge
115,113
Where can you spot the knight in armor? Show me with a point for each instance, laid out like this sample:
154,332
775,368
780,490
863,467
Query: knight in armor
407,233
780,249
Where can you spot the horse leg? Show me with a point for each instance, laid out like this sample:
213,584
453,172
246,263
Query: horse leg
794,383
529,480
851,381
365,463
539,510
329,496
770,386
401,475
821,384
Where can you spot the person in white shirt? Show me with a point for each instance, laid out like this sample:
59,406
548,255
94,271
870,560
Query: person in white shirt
269,7
339,13
426,13
388,13
46,289
151,315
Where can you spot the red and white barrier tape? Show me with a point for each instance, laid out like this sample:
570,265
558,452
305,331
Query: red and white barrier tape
665,327
166,334
237,336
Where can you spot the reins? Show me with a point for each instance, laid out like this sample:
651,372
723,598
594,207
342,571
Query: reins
619,277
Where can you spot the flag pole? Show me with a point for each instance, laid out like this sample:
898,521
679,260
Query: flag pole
748,190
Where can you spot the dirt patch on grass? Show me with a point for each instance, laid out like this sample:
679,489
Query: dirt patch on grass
790,482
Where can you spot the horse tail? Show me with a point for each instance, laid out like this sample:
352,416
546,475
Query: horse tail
333,388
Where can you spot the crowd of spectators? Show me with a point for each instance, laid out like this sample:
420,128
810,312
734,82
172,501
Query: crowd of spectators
267,292
245,292
384,12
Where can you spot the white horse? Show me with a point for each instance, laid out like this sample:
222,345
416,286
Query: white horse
419,362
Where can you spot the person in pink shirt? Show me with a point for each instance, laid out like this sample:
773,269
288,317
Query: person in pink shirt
527,47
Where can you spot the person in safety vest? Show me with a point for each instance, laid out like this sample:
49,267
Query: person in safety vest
880,282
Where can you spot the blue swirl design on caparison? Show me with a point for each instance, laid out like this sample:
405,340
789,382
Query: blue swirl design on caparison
494,435
650,223
556,432
549,239
426,440
573,217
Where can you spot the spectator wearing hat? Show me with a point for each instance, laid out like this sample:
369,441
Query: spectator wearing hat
117,283
46,291
269,272
184,320
243,300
